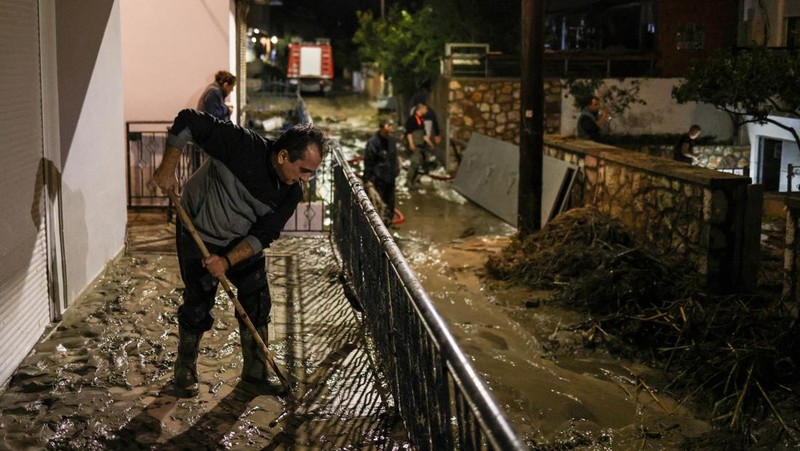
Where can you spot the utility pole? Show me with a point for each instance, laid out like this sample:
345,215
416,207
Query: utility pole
531,143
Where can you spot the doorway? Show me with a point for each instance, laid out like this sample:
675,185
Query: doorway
770,156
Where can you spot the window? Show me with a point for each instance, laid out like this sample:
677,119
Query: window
691,37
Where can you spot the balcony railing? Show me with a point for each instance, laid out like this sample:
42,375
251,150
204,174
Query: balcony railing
564,64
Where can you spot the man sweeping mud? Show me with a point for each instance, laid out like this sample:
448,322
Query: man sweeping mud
238,200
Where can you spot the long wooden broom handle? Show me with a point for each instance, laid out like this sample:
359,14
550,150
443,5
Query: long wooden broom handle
187,222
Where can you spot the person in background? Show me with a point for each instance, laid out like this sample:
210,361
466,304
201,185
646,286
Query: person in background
591,120
381,167
431,122
684,149
239,201
212,101
418,142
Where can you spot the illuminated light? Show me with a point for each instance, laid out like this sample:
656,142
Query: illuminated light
273,39
256,31
253,39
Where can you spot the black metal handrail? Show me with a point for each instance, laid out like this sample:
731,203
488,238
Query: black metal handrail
565,64
146,142
444,403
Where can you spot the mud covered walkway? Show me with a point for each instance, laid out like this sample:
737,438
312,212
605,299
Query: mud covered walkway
101,379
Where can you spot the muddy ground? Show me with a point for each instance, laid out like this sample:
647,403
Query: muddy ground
101,378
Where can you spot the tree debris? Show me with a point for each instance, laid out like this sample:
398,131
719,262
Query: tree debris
653,308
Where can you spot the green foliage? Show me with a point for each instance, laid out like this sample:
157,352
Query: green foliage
615,99
582,91
750,86
405,46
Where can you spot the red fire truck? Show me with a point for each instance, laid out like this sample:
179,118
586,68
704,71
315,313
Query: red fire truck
310,66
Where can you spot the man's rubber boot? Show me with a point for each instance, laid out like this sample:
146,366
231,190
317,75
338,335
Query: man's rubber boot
255,374
186,363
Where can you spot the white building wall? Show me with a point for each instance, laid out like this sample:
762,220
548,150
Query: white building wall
661,114
91,137
790,154
170,52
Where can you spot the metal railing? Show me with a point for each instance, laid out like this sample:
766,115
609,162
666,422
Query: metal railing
146,142
276,87
792,171
567,64
444,403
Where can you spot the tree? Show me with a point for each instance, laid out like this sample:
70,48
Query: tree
405,46
616,98
753,86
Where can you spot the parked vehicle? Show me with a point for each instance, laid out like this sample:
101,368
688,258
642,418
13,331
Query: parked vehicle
310,66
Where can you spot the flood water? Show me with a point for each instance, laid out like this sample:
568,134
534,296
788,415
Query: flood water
101,378
556,393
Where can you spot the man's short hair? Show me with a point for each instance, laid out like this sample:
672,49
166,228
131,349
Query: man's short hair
695,128
383,122
297,139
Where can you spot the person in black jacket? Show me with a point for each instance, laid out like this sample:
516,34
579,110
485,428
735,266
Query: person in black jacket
418,142
239,201
684,149
591,120
381,167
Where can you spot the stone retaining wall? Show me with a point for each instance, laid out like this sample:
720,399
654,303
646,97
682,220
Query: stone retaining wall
490,107
710,218
710,156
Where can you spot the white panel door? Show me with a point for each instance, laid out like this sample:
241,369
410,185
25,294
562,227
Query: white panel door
24,299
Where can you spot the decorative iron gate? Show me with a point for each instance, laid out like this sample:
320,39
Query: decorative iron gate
145,149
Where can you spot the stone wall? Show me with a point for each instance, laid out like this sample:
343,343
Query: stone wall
710,218
710,156
491,107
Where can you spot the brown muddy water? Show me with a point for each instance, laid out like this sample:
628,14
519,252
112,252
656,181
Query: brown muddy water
557,394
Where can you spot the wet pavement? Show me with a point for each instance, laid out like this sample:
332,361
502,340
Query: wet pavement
101,379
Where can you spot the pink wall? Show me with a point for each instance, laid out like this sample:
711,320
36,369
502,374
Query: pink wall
170,52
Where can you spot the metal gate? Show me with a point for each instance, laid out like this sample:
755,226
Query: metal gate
146,141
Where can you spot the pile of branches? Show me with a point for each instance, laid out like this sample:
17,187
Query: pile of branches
736,350
568,247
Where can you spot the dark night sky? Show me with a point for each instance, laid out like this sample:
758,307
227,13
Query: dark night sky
311,19
335,19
